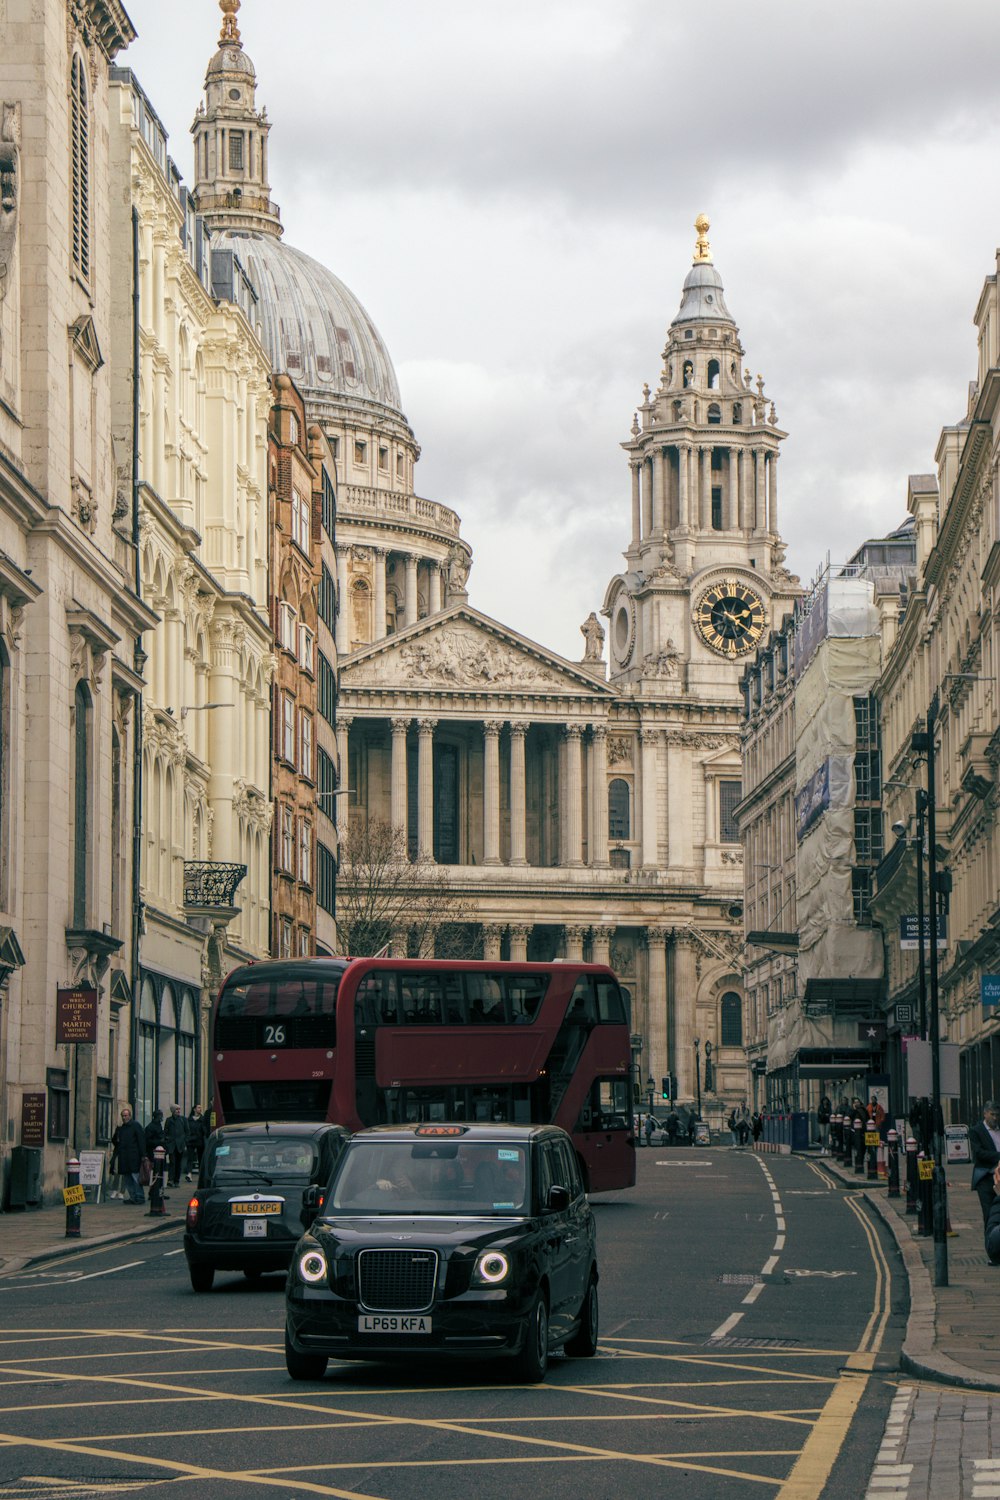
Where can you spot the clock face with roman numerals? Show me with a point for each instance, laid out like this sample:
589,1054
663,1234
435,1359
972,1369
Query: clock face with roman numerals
730,617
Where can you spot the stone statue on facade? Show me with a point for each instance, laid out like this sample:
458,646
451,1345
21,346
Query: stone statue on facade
593,633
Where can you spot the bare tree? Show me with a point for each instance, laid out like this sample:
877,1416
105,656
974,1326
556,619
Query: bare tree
382,895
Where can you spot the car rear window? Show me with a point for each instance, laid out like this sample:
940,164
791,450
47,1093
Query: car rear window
285,1158
431,1177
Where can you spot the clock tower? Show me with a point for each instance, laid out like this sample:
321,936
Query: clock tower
704,579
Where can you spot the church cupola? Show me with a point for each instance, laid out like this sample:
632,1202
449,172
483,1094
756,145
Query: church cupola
230,141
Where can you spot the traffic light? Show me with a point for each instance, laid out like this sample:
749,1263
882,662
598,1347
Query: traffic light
665,1088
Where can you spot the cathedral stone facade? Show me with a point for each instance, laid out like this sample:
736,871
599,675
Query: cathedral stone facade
578,809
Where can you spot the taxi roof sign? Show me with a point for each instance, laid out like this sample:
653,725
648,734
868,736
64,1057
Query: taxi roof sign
440,1130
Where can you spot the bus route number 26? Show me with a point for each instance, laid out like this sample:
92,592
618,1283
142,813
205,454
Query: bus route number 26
274,1036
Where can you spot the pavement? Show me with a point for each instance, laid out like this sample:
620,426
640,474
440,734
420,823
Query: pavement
30,1235
951,1335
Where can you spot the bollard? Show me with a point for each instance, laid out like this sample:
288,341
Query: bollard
911,1174
925,1212
859,1147
893,1141
73,1197
835,1126
872,1140
156,1208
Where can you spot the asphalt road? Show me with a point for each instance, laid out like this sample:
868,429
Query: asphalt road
751,1319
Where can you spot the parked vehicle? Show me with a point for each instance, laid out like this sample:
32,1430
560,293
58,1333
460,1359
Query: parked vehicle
247,1211
447,1239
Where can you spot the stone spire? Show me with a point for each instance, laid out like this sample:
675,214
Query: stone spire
230,141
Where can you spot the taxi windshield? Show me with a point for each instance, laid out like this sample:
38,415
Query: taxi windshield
431,1177
284,1158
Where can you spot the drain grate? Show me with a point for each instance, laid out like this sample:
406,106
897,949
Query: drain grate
754,1343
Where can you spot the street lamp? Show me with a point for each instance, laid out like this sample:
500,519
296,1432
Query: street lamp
697,1073
651,1090
923,743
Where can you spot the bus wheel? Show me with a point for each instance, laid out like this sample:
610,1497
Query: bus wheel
303,1366
583,1344
531,1365
201,1276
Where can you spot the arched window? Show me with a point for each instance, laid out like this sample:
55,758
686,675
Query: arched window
619,822
731,1020
81,801
715,414
737,412
713,375
80,166
688,373
145,1064
186,1053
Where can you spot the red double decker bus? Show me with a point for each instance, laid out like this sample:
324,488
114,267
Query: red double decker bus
370,1041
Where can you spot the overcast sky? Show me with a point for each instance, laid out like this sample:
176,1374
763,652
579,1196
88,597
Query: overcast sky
510,189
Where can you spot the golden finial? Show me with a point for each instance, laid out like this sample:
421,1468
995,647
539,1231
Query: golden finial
702,253
230,31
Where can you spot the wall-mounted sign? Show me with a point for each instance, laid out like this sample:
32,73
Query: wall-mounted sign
989,990
909,930
76,1014
33,1119
872,1032
904,1013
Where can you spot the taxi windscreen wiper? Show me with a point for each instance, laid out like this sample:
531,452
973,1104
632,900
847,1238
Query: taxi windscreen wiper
244,1172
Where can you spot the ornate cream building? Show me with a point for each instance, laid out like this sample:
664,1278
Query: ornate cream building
71,619
191,434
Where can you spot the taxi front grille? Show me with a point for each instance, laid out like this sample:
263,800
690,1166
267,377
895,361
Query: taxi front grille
397,1280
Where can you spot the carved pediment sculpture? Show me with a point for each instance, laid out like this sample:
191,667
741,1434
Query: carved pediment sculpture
455,657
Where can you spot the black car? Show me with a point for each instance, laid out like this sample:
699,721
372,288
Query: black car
247,1211
469,1240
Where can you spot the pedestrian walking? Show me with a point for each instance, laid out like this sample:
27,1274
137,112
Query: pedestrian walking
731,1123
128,1147
649,1130
742,1124
993,1221
197,1127
175,1139
757,1125
672,1127
154,1133
984,1139
824,1111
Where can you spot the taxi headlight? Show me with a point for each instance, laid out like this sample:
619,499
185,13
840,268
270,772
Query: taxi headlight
491,1267
312,1266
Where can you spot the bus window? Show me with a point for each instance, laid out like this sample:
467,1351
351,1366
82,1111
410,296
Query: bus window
452,998
524,996
485,996
610,1006
606,1106
582,1007
375,1002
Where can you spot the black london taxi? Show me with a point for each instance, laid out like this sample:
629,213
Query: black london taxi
247,1211
472,1240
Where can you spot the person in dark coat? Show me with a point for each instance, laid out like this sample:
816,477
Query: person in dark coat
154,1133
984,1139
129,1146
175,1139
993,1221
197,1127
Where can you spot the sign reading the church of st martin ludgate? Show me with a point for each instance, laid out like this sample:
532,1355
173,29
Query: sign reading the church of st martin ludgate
76,1014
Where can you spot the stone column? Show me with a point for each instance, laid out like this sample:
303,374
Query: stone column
650,739
733,518
658,489
425,788
343,633
647,498
378,559
340,812
657,1054
573,799
518,796
491,941
491,791
397,778
758,491
434,588
684,991
636,504
706,489
745,505
772,488
601,940
599,795
683,484
574,942
519,944
410,600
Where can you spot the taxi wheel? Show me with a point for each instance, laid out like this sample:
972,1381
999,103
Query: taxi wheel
303,1366
531,1365
201,1277
583,1344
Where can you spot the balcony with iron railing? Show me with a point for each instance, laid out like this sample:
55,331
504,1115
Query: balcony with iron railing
211,885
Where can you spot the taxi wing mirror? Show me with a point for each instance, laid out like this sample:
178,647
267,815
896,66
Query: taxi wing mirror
558,1199
312,1204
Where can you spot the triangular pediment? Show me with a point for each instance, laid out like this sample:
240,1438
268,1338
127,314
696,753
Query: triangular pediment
463,650
83,336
